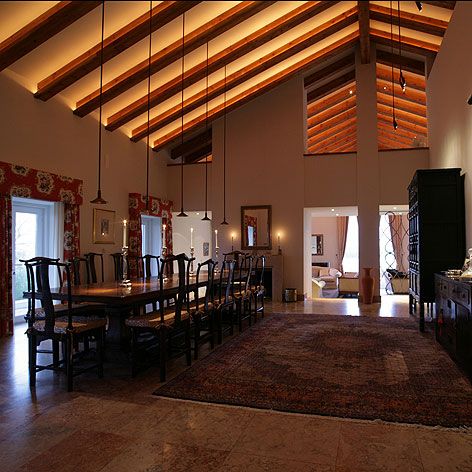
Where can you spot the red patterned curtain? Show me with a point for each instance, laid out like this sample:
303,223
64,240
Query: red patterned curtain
6,266
251,221
157,207
20,181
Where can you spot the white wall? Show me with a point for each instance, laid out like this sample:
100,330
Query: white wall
328,227
47,136
449,116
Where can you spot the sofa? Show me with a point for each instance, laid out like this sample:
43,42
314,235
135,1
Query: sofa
349,284
328,275
398,281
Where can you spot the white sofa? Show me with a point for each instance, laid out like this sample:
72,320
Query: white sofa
329,275
349,283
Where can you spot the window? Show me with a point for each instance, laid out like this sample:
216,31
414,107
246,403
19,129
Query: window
151,235
351,254
387,256
37,231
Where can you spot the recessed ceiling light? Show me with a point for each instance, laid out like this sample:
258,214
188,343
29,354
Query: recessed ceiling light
394,208
350,92
197,213
337,214
385,87
332,209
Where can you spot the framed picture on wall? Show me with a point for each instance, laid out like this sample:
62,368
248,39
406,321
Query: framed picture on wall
316,244
206,249
103,226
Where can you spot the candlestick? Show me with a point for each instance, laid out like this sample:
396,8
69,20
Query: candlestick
164,236
124,234
216,238
191,238
125,282
278,237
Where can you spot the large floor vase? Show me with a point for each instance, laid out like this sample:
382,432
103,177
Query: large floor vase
367,286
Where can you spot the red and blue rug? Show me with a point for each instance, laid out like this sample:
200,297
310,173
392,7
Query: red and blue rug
353,367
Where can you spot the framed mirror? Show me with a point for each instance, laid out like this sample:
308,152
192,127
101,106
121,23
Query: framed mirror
256,227
316,244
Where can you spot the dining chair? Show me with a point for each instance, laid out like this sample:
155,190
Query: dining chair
91,257
117,265
80,265
69,328
169,326
242,291
224,304
148,266
202,308
257,287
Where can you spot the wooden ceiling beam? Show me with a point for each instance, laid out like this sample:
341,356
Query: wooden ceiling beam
395,136
190,145
112,46
337,66
331,86
329,101
411,94
400,131
198,155
415,46
408,20
343,116
210,30
390,142
308,62
349,146
414,81
387,118
405,116
407,63
401,104
333,130
326,115
251,70
230,54
447,5
42,28
336,144
364,31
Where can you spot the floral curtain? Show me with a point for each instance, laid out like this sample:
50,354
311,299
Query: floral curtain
251,221
21,181
157,207
342,222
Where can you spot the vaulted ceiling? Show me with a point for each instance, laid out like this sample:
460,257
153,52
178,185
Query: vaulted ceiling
252,46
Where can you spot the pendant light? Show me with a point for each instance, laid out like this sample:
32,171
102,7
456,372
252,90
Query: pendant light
182,212
148,106
224,222
402,79
419,5
99,200
395,124
205,218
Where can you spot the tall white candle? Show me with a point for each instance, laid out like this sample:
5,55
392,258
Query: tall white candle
124,233
216,238
164,235
191,237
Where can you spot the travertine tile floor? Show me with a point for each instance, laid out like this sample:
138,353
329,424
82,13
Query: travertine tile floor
115,424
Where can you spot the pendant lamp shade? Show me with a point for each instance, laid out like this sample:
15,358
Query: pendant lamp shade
99,200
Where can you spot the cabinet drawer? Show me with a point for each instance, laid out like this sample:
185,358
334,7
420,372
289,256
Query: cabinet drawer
442,288
460,294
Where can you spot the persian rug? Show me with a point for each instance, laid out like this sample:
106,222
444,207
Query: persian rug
353,367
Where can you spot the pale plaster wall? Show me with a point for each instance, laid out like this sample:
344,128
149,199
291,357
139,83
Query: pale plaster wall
47,136
328,227
449,116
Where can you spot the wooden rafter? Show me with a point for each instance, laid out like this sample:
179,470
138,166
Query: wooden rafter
331,131
324,138
401,104
269,60
198,154
392,142
411,94
400,131
332,146
412,21
414,81
415,46
335,120
330,100
323,117
393,135
407,63
237,50
113,45
190,145
42,28
349,146
387,118
334,68
405,116
448,5
310,61
364,31
331,86
210,30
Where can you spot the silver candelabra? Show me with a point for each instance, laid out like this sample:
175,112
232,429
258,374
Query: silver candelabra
192,254
125,282
217,268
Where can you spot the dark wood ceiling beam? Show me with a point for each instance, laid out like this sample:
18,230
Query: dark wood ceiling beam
414,81
112,46
414,46
331,86
347,105
364,31
237,50
407,63
210,30
251,70
412,95
387,118
334,68
329,101
337,47
447,5
198,155
192,144
412,21
42,28
385,99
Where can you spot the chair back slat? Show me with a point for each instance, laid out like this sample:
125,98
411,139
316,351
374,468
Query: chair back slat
77,264
226,288
209,267
118,265
91,257
148,266
260,265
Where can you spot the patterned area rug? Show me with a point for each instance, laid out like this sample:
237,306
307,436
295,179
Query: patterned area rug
355,367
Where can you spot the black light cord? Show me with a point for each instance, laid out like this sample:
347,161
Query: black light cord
205,218
182,213
224,222
395,125
148,105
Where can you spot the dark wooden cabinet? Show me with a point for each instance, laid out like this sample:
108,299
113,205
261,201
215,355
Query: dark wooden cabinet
436,231
453,324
